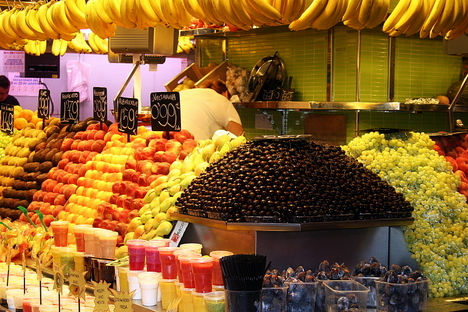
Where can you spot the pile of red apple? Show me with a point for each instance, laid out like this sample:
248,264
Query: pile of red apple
454,147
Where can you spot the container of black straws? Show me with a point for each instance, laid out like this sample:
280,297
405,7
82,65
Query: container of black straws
243,279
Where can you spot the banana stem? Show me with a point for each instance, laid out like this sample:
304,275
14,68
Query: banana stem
25,212
5,225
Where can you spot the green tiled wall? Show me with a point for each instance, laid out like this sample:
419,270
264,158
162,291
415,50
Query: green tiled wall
422,69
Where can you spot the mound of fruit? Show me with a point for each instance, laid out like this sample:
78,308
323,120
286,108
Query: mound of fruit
290,179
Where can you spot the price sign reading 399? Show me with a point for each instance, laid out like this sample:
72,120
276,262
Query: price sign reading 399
165,111
128,115
100,104
43,110
70,107
7,118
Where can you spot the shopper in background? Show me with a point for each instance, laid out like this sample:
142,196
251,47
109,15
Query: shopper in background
207,109
4,90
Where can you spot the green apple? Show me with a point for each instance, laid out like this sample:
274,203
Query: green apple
146,216
164,228
134,223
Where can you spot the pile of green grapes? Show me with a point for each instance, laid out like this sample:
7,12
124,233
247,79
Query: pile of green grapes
5,139
438,238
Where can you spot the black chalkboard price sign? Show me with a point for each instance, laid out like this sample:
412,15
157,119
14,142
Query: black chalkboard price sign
70,107
165,111
43,105
128,115
100,104
7,117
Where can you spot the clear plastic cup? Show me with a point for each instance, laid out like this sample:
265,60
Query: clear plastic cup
78,231
153,263
149,283
179,253
89,240
192,246
60,230
168,263
108,241
217,273
136,253
202,269
186,269
168,292
134,283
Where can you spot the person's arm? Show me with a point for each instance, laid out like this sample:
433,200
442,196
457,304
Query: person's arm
235,128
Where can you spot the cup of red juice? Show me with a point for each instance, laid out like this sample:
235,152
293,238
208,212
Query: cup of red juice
168,262
217,273
186,269
202,269
136,254
78,231
153,263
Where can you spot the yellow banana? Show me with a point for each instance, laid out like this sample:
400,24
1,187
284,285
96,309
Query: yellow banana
44,23
352,9
101,11
75,13
23,27
299,9
4,37
184,18
7,22
239,10
378,13
310,14
42,46
149,12
460,30
266,9
330,16
354,23
435,12
101,44
127,13
170,13
56,45
113,10
364,11
194,9
210,15
31,20
92,43
419,19
409,16
395,16
444,20
60,19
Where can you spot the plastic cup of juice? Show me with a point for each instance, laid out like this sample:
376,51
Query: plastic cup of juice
108,241
168,292
153,263
78,231
122,273
149,283
136,253
217,273
179,253
89,240
187,300
168,263
202,269
186,269
134,283
60,230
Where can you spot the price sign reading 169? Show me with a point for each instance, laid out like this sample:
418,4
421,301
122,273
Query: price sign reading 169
7,118
70,107
165,111
128,118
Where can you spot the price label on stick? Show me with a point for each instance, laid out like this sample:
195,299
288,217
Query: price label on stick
43,105
128,115
7,117
100,104
165,111
70,107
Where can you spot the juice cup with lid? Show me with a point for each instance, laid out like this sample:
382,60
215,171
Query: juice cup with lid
179,253
196,247
168,262
149,283
108,242
186,269
89,240
153,263
168,292
136,253
202,269
60,230
78,231
217,273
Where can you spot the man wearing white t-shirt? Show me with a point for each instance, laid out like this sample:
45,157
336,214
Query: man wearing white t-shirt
206,109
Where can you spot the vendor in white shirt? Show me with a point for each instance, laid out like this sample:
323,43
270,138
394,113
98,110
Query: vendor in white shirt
206,109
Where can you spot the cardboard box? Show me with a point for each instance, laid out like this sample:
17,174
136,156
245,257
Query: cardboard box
192,71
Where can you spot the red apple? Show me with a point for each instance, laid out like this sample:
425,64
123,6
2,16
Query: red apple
174,146
462,164
163,168
131,163
144,166
158,144
141,191
189,145
453,162
169,156
158,156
